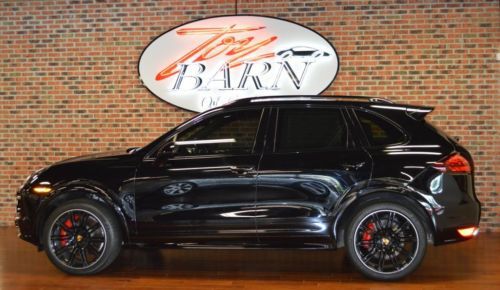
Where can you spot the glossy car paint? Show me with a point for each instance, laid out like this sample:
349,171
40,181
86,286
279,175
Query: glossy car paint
265,198
297,191
216,200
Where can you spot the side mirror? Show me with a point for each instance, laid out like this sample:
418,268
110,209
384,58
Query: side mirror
165,154
132,149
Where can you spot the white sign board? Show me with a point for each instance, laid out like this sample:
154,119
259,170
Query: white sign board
209,62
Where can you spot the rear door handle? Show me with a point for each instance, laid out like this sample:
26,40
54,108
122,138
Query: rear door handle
242,170
355,166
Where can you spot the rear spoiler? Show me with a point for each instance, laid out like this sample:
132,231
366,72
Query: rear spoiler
418,113
415,112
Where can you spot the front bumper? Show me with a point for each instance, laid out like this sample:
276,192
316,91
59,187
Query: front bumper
24,219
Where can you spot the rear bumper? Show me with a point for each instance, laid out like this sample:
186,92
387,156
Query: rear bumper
451,235
460,209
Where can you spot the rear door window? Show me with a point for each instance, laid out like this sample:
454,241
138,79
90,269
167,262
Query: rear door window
310,129
379,131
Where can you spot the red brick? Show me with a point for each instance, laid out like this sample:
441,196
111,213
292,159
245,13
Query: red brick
69,88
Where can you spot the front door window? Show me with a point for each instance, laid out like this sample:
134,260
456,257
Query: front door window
230,133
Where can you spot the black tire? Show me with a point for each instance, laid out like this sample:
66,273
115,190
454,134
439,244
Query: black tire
385,241
82,237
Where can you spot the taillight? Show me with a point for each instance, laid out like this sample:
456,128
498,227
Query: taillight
456,163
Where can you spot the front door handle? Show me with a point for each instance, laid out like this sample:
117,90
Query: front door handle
242,170
355,166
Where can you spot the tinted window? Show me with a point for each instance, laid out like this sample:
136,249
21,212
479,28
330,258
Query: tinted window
228,133
379,131
310,129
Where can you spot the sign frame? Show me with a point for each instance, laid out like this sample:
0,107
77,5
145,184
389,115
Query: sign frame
235,15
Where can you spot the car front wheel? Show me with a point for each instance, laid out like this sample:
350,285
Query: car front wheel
386,241
82,237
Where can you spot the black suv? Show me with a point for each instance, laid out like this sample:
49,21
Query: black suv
300,172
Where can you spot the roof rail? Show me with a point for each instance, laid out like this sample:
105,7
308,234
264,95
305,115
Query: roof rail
381,100
316,98
373,100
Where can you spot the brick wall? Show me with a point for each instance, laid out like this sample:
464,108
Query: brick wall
69,84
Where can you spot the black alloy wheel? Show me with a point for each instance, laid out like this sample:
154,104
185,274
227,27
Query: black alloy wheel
386,242
82,237
77,238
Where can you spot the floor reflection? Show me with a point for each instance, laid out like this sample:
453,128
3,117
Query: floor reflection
459,266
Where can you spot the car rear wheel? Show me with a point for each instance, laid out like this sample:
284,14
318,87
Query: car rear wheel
386,241
82,237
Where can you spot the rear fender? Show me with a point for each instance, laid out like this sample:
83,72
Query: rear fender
387,190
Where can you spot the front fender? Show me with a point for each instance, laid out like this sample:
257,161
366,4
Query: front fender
65,191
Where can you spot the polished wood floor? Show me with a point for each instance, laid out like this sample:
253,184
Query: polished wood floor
469,265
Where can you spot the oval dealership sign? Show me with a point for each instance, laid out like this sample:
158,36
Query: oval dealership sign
209,62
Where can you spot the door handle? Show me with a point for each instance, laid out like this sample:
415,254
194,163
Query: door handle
354,166
241,170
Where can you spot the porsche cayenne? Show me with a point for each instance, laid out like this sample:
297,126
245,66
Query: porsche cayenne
271,172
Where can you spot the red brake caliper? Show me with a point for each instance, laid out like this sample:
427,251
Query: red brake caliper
367,235
63,233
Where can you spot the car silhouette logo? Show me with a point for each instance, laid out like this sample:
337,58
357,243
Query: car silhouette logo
303,52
